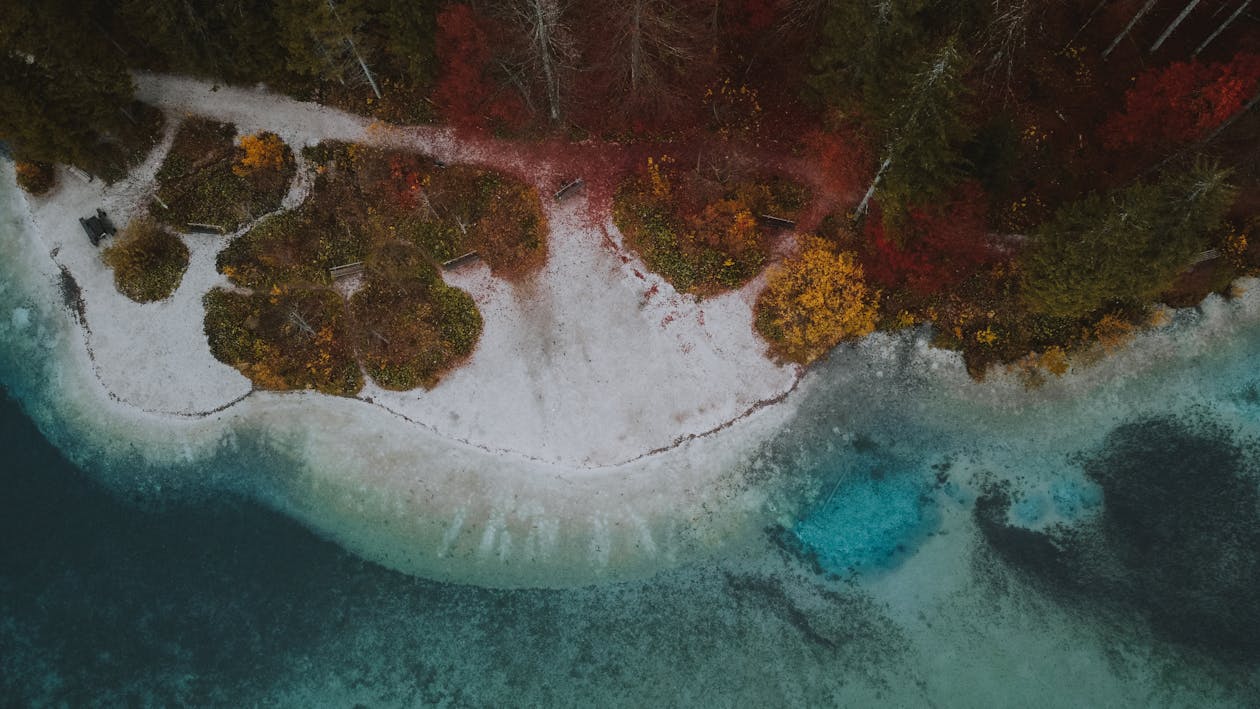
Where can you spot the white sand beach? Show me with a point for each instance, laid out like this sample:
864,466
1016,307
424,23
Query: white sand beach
600,415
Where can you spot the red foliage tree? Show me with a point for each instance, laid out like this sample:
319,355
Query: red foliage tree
1182,102
936,249
466,92
405,180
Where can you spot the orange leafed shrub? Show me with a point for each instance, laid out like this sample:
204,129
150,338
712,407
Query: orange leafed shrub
35,177
814,301
261,151
727,225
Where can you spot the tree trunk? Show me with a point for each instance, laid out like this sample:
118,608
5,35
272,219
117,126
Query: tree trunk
1228,21
545,20
636,45
1097,9
1185,12
1129,27
367,74
870,191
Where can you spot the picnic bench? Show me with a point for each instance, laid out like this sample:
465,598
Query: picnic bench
459,260
199,228
98,227
346,270
778,222
568,189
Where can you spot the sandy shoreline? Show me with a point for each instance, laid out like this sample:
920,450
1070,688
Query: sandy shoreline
601,429
594,362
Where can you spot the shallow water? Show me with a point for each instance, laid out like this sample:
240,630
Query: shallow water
919,540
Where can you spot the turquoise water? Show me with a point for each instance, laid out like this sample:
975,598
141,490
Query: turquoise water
926,541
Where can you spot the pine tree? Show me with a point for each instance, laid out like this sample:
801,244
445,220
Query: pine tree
923,136
1125,247
63,90
405,31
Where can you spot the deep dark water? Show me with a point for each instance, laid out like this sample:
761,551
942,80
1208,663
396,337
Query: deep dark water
106,603
1177,542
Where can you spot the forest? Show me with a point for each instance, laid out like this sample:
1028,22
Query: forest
1032,177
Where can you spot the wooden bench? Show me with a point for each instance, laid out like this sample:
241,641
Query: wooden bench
778,222
1206,256
346,270
459,260
198,228
568,189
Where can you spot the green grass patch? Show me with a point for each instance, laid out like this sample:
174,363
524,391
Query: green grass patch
202,180
148,261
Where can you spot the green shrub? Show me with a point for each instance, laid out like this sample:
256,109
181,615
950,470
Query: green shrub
284,340
148,261
702,234
410,327
198,185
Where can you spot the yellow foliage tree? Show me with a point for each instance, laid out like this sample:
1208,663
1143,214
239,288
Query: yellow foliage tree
815,300
261,151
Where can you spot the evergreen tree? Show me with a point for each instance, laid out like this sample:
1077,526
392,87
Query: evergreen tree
318,37
924,135
870,51
1125,247
405,31
226,40
63,90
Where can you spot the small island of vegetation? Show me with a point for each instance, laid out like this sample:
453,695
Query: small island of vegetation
395,217
208,180
148,261
703,231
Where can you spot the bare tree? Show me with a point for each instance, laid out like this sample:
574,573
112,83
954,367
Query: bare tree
1007,35
547,44
643,54
349,39
1221,28
653,36
803,13
1185,12
1129,27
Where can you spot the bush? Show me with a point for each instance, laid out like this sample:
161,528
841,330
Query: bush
410,327
35,178
206,179
814,301
450,211
284,339
701,234
148,261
